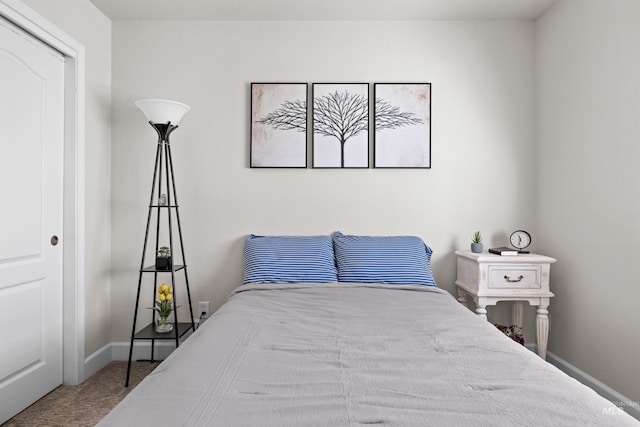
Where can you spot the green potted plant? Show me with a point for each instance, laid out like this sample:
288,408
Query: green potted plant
163,258
476,243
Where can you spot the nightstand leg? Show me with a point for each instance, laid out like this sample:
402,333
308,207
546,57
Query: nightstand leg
481,310
542,330
517,313
462,297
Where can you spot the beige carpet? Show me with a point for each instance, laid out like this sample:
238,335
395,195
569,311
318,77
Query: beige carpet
84,404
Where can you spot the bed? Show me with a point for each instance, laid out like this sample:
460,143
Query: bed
315,352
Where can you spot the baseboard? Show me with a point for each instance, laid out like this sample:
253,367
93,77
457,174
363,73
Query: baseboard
627,405
119,351
142,350
97,361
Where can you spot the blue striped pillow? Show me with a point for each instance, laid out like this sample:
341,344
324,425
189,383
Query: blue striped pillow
394,259
289,259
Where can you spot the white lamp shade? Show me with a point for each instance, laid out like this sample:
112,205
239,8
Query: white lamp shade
160,111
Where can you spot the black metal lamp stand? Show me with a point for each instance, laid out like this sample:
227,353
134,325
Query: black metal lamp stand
163,178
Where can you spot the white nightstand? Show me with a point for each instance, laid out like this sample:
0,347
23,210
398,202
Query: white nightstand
490,278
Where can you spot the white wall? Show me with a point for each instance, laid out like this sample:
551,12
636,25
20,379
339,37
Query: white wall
82,21
588,133
482,133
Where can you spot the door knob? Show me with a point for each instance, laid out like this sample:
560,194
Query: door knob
54,240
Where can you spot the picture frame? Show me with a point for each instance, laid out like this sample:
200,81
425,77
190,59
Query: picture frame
278,137
340,125
402,125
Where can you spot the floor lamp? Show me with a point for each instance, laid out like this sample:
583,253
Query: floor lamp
164,117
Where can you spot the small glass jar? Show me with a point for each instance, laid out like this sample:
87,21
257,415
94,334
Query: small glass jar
163,325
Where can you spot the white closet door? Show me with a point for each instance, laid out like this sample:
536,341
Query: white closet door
31,174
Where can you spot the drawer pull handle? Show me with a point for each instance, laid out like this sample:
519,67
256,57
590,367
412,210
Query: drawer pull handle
510,280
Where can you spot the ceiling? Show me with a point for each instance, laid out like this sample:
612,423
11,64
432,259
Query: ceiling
322,10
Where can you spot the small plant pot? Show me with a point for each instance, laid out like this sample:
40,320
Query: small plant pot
163,263
476,248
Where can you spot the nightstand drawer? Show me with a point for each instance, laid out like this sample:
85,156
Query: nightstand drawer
525,277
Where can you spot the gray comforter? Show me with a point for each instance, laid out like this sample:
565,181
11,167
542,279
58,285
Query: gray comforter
351,354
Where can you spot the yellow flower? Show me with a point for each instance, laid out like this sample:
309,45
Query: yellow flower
169,297
170,289
162,297
163,288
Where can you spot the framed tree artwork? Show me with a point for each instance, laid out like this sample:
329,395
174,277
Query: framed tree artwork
340,125
278,125
402,120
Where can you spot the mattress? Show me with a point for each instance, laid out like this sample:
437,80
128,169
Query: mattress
352,354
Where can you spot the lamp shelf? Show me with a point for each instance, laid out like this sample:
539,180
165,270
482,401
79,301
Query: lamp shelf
149,332
153,269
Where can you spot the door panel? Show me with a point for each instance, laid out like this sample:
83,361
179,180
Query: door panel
24,237
25,340
31,172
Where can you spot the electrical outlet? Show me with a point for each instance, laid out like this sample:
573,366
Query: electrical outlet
203,309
